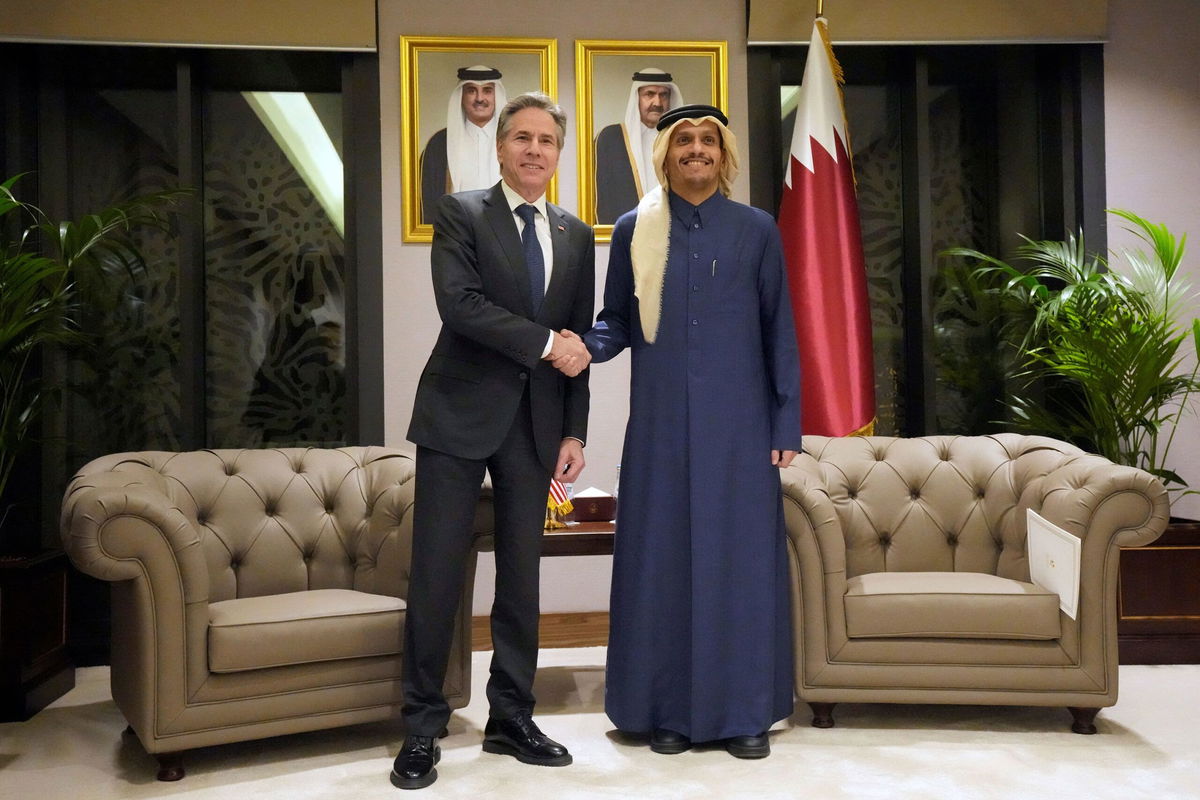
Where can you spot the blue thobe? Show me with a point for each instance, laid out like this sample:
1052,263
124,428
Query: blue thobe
700,639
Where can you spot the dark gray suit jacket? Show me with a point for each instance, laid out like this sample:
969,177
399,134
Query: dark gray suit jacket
490,345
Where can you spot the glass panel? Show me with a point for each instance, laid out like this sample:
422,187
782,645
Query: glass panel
274,269
875,139
124,384
969,386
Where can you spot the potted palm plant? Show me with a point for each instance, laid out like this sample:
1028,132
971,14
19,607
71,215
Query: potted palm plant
1099,358
1109,342
45,267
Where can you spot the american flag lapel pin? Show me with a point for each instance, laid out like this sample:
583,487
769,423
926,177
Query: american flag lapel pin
562,227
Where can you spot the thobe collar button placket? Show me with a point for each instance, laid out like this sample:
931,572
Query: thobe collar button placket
696,224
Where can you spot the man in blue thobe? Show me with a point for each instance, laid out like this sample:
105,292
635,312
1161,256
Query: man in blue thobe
700,647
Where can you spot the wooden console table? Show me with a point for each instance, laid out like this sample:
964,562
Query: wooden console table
579,539
1158,606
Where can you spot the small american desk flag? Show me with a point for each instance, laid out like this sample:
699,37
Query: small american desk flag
558,500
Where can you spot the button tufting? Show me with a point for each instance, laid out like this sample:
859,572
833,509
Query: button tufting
914,493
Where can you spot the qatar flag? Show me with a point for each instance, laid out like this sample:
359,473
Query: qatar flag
818,220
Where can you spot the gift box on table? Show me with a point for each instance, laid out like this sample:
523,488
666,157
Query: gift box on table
592,505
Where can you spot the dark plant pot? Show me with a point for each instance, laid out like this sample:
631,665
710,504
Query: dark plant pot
1159,598
35,669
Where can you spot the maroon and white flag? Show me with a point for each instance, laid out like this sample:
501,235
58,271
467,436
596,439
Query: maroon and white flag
818,220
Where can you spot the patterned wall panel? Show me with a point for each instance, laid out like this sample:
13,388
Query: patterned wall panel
275,281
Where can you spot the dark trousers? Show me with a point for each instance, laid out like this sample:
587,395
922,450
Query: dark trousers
447,490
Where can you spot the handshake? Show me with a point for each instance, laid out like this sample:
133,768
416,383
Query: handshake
568,354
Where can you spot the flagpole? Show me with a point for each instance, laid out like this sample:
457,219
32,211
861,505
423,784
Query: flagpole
820,8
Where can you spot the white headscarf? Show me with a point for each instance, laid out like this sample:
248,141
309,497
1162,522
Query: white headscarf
650,246
471,150
634,129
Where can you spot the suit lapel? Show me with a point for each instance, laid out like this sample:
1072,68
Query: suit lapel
561,245
504,226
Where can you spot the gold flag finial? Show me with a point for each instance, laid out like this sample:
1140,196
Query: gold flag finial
820,8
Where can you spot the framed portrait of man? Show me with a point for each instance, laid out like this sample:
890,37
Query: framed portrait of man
452,90
622,88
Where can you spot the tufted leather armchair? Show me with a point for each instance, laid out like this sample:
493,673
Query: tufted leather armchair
254,592
910,578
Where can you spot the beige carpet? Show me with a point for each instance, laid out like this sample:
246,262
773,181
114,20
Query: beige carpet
1148,746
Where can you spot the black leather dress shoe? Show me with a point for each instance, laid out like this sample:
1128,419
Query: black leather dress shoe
669,742
520,737
414,766
749,746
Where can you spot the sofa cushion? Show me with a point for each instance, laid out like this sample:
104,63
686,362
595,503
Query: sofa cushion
957,605
302,627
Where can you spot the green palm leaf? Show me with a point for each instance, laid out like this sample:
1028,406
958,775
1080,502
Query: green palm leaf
1105,343
40,289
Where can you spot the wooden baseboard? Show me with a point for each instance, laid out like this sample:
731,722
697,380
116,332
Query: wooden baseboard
581,629
1174,648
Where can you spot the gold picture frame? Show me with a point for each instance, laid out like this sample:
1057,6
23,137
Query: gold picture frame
428,72
603,72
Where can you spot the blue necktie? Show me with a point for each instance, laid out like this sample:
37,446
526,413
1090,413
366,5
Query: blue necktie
535,262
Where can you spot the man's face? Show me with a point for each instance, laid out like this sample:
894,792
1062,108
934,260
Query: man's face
652,102
528,154
479,102
694,157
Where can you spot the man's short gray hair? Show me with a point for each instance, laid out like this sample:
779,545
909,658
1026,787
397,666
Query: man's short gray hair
532,100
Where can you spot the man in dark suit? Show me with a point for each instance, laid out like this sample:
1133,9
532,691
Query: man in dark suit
504,389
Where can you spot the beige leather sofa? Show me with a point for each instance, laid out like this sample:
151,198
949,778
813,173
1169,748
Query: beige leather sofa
911,583
254,592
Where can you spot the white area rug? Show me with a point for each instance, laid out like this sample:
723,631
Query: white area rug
1148,746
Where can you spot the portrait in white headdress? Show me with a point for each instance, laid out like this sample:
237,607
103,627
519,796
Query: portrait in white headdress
624,165
462,156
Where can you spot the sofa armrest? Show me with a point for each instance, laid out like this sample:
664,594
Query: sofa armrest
817,563
812,523
123,528
1108,506
118,527
383,555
